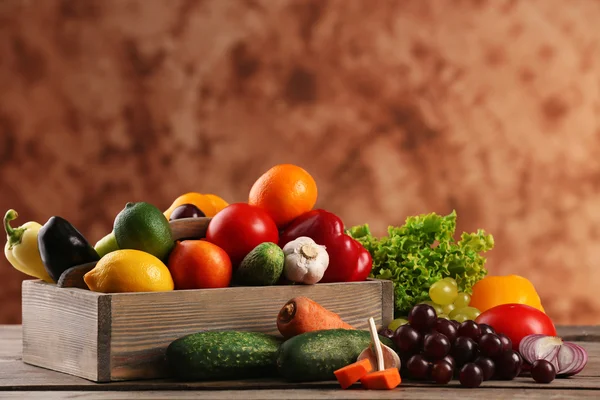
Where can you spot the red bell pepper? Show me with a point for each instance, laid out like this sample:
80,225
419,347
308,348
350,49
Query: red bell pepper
349,261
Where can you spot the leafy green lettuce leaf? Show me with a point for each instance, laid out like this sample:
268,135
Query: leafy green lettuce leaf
423,251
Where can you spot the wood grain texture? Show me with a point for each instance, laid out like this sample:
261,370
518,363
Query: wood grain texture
15,375
11,345
387,308
143,324
10,342
579,333
299,394
189,228
104,338
123,336
38,382
11,336
19,376
60,328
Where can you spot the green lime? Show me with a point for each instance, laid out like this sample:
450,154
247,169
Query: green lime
142,226
106,245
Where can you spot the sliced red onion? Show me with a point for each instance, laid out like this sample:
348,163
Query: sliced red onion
578,356
541,347
566,357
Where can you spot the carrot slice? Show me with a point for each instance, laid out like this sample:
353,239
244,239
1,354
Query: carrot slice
301,315
352,373
386,379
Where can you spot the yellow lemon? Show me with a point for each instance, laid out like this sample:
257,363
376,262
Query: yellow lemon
129,271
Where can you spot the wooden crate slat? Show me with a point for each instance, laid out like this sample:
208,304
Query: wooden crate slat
142,329
60,329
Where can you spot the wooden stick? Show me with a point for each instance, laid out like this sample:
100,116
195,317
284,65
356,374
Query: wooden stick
189,228
377,344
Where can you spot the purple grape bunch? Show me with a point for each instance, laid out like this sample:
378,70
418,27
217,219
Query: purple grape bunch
438,350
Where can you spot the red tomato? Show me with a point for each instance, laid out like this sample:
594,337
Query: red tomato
517,321
198,264
239,228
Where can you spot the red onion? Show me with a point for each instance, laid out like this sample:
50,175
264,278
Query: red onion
566,357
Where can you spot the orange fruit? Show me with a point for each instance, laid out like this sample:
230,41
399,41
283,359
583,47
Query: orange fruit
493,291
198,264
285,192
204,203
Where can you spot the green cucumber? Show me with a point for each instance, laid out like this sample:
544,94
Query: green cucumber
263,266
314,356
223,355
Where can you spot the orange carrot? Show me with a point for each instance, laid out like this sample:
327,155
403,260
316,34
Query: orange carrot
386,379
352,373
301,315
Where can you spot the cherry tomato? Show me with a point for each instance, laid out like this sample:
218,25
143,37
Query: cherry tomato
517,321
239,228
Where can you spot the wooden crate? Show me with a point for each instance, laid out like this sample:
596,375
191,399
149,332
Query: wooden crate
115,337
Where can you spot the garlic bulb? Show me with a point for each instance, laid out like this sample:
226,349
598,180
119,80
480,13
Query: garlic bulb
305,261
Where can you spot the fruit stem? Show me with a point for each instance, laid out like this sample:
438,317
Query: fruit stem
13,235
287,312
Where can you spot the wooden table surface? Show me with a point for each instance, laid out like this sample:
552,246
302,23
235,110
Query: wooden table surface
19,380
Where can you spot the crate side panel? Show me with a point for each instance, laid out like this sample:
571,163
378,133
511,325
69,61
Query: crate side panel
387,302
144,324
60,329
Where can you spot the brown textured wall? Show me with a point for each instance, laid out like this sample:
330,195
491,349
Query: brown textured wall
396,108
